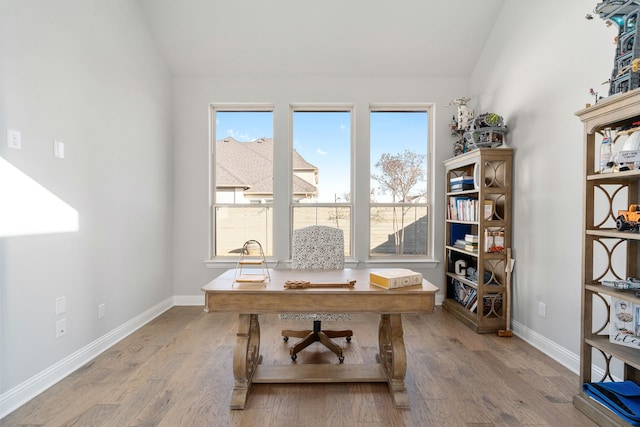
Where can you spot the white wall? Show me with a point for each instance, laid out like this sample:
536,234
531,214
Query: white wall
536,71
192,97
88,74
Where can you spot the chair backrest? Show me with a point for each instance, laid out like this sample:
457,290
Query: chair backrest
318,247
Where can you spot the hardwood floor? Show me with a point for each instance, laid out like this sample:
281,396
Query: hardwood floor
177,371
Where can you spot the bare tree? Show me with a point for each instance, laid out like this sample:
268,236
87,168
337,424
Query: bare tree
340,213
399,175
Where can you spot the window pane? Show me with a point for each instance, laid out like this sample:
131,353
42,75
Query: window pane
237,224
321,180
321,156
398,184
391,225
244,180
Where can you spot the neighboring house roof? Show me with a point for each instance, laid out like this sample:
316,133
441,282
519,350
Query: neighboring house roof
299,163
248,165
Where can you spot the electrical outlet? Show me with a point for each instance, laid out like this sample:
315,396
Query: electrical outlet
61,327
542,309
13,139
101,310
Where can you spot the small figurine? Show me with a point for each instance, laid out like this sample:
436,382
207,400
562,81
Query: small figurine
465,114
460,123
595,95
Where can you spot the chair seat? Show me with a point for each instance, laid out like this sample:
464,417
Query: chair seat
315,316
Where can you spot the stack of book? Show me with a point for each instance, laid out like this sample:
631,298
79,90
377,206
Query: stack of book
471,242
461,183
465,295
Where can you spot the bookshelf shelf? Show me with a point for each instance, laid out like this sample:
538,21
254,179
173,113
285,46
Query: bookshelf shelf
619,251
486,215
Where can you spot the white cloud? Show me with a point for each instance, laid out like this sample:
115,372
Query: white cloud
238,136
321,152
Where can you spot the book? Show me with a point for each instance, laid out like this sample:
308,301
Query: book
471,238
463,178
462,186
488,209
460,183
471,242
395,278
473,296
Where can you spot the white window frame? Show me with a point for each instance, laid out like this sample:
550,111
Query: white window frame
224,107
337,107
360,164
428,108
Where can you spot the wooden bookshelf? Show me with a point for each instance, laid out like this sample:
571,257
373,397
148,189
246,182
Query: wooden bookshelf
600,359
490,172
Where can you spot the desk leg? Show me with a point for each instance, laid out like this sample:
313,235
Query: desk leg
393,357
246,357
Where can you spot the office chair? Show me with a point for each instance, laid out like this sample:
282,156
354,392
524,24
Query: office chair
317,247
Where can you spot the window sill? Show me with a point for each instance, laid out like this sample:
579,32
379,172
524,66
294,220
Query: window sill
371,263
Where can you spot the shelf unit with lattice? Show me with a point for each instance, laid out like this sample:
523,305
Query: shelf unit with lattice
480,208
607,254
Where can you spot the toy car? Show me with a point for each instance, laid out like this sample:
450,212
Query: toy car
629,219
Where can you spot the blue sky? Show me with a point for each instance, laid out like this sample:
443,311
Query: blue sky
323,139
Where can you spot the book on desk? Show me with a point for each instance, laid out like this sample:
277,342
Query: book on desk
395,278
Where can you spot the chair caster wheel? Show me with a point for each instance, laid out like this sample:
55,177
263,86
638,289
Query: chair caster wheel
294,357
341,359
285,339
348,339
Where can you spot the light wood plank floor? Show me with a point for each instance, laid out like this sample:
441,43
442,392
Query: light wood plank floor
177,371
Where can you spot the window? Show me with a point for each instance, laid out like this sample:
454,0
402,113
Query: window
317,146
399,208
321,169
242,179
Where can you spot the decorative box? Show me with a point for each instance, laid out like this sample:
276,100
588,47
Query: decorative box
624,323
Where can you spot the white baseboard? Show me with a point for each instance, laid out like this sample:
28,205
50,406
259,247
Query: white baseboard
188,300
22,393
558,353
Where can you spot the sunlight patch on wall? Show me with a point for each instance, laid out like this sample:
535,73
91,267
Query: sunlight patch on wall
27,208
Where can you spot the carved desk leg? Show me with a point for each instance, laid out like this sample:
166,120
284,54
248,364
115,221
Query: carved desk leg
246,357
393,357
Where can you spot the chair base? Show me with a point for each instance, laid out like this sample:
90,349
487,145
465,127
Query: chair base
316,335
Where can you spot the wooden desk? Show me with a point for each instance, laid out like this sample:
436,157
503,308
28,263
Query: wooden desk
223,295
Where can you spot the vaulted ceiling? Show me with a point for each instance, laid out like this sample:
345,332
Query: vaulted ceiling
327,37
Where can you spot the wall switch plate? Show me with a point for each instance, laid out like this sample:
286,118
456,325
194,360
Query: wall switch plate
542,309
58,149
101,310
61,328
61,305
13,139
